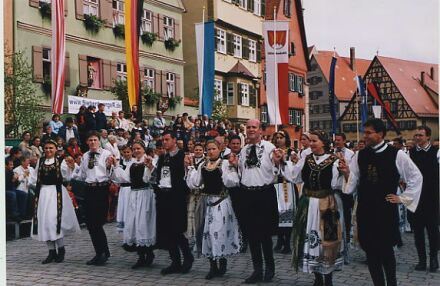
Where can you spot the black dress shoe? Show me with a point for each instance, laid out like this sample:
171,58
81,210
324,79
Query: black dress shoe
92,261
141,262
213,270
173,268
149,259
257,276
60,255
433,264
268,275
101,260
51,257
223,263
187,264
421,266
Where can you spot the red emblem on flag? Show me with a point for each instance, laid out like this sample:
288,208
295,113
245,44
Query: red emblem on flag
280,38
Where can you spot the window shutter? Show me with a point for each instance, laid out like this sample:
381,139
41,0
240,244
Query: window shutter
79,9
263,8
67,70
66,3
250,5
239,94
106,12
34,3
160,32
177,85
258,44
82,70
158,81
164,84
245,51
113,72
252,97
229,44
154,22
215,39
106,74
225,91
37,63
176,30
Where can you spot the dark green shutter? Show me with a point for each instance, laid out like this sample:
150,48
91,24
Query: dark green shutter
239,93
263,8
252,97
225,92
245,46
258,43
229,44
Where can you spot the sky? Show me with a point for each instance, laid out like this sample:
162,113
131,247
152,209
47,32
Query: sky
404,29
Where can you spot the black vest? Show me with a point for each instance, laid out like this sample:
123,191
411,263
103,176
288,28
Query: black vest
137,176
212,180
318,176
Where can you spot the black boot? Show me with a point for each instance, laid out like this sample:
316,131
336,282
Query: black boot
280,242
51,257
244,245
318,280
141,262
60,255
256,276
328,279
188,258
269,273
222,266
433,263
149,257
213,270
421,266
175,266
287,235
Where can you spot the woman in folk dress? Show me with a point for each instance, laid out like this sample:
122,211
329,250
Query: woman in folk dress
220,236
140,223
54,215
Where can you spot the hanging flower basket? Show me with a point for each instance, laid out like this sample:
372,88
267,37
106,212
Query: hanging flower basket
171,44
148,38
45,10
173,101
93,23
151,98
119,31
47,86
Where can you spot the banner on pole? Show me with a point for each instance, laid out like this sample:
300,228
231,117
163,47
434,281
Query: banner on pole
75,102
58,56
276,46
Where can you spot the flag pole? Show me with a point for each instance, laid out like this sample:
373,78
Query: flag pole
201,87
276,69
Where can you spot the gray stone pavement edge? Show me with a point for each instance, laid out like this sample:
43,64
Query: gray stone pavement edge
24,267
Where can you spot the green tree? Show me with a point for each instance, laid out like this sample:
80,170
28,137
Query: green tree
219,109
26,113
120,89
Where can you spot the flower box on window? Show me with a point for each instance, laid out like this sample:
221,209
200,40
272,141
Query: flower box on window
119,31
151,98
92,23
148,38
45,10
173,101
171,44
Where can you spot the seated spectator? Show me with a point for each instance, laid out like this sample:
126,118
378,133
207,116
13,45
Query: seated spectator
103,137
24,172
25,143
120,137
15,154
73,147
112,146
113,121
36,149
11,182
56,123
49,135
69,131
122,122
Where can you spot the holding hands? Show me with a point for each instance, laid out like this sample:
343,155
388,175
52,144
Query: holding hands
233,160
148,161
278,156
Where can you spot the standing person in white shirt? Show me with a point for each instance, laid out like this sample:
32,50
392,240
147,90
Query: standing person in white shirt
121,213
374,173
112,146
95,170
305,143
24,172
122,122
347,200
257,170
159,122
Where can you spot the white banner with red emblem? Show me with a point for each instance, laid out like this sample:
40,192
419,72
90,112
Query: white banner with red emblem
276,46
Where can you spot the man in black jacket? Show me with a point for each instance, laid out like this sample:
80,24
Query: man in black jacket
426,157
69,131
171,199
100,118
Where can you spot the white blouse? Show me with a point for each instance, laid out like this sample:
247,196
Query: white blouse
23,178
230,177
119,175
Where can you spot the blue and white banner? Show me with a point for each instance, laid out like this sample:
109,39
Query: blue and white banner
205,43
363,105
75,102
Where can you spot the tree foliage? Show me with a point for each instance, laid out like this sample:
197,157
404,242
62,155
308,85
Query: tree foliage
26,113
120,89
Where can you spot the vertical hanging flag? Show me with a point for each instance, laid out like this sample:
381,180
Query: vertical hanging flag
132,14
374,93
205,42
331,94
58,56
277,58
364,102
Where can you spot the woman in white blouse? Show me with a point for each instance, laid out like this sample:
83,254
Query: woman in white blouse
112,146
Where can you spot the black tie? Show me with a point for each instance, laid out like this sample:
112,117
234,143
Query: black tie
92,156
252,158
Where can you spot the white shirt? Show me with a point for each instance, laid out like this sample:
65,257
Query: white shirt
99,173
120,175
165,176
113,148
123,123
408,172
348,154
263,174
159,122
24,176
69,134
303,153
230,177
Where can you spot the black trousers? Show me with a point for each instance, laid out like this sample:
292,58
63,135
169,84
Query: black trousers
96,208
347,204
262,247
180,245
382,260
431,226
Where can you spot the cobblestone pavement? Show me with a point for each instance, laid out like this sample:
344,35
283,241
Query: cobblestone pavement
24,267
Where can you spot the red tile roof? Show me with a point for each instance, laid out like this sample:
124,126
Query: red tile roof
240,69
406,75
345,83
